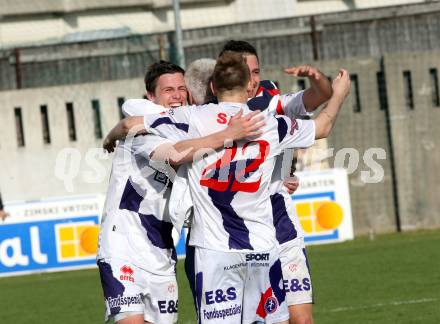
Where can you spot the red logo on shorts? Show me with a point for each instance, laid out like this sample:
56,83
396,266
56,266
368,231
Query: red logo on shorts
171,288
294,126
268,304
293,267
127,273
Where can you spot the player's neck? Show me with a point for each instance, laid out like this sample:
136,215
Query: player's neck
233,96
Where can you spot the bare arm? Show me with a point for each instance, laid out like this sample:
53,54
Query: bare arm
240,126
121,130
326,118
320,89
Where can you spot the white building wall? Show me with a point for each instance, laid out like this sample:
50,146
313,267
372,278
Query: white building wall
28,172
157,16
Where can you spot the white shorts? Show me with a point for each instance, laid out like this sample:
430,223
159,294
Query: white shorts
129,289
238,287
296,273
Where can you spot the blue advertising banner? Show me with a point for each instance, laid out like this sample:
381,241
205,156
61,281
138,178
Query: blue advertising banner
62,234
48,244
53,244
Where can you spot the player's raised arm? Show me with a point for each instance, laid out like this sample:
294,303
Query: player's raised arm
326,118
297,133
320,89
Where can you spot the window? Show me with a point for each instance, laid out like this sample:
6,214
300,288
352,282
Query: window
71,121
407,82
382,90
97,118
19,126
120,103
357,99
45,124
434,87
301,84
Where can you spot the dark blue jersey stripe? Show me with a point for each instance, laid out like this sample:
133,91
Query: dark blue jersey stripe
166,120
158,232
111,286
282,128
284,228
131,198
232,223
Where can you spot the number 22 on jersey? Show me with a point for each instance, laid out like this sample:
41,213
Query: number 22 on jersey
235,166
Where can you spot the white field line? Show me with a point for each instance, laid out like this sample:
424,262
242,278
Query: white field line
391,303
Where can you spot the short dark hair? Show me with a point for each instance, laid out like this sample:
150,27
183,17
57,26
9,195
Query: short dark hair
157,69
239,46
231,72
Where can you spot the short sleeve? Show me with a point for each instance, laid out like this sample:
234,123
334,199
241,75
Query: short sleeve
140,107
293,105
295,133
144,145
173,124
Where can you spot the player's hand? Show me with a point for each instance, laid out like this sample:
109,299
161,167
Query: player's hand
341,84
291,184
109,144
241,126
304,71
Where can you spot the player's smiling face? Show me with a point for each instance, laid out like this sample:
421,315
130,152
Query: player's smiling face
170,91
254,68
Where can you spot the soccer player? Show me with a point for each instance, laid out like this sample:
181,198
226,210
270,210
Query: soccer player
290,235
197,79
136,256
318,93
238,274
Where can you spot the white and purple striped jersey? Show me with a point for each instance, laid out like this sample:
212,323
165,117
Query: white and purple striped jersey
135,224
269,100
230,187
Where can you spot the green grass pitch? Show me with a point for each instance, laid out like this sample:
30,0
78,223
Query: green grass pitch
394,278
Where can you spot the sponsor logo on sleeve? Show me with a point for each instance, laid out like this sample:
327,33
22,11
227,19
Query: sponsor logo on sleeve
168,306
296,285
294,126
